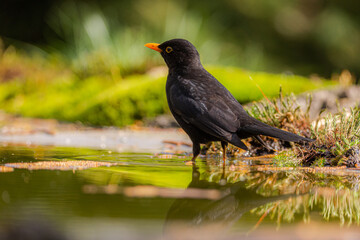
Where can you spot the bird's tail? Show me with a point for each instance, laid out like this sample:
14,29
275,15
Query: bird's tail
260,128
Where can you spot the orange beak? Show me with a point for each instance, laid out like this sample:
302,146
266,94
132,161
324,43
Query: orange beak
153,46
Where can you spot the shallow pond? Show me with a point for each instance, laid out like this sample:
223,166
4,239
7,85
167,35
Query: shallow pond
147,196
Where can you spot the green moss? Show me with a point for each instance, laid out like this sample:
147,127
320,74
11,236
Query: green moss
319,162
243,84
52,90
286,159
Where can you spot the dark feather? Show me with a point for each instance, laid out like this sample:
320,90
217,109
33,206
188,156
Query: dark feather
260,128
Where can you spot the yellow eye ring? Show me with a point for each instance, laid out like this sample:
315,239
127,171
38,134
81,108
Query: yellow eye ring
168,49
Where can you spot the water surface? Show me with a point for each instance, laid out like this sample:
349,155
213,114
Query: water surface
154,196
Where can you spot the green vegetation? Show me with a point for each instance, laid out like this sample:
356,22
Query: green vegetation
337,135
286,159
260,36
244,85
338,139
35,86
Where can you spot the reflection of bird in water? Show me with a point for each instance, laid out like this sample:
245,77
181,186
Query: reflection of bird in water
192,216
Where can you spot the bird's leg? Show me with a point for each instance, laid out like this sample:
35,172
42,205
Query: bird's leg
196,150
223,178
224,145
195,172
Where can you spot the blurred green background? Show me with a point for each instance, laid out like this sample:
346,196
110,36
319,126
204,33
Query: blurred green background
85,60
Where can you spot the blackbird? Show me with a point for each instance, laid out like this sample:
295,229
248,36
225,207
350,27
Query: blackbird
203,107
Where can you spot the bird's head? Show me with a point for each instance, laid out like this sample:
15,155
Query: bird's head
177,53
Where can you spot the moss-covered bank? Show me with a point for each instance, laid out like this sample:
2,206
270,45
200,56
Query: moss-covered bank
48,88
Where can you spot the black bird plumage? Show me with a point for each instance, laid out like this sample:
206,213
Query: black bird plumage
203,107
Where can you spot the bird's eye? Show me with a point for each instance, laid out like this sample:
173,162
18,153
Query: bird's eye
168,49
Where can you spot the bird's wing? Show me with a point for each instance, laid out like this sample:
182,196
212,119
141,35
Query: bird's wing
211,114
